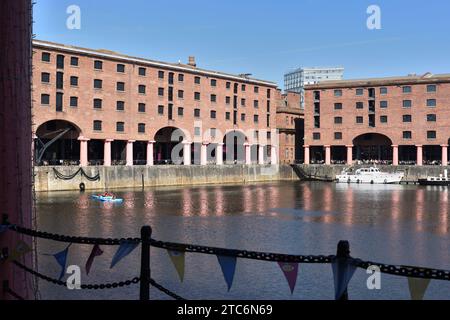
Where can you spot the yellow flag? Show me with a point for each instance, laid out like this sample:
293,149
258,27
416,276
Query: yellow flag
21,249
418,287
177,258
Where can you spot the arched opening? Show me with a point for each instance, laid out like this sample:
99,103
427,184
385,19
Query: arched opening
373,148
234,147
57,143
166,139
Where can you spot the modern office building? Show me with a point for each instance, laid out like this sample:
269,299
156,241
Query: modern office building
400,120
104,108
296,80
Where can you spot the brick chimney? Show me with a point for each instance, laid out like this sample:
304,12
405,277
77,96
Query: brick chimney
192,61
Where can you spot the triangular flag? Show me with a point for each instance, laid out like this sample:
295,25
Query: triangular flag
228,266
125,249
343,272
418,287
21,249
96,251
61,258
290,271
177,258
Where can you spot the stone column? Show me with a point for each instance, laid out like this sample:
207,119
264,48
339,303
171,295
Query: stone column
261,154
419,155
150,158
187,153
83,152
350,155
395,155
273,155
307,155
204,154
107,153
219,154
130,159
327,155
444,154
248,154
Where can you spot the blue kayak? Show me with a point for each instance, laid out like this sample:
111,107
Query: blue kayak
107,199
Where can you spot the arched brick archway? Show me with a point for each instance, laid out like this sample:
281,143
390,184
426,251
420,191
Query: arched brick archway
372,147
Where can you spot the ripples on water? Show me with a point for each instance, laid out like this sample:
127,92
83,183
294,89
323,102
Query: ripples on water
385,223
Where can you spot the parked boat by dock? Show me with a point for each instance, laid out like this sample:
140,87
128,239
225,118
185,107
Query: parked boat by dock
370,175
442,180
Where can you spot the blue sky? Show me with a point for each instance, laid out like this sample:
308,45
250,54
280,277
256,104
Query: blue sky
262,37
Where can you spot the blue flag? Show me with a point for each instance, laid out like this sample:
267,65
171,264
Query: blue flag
125,249
228,266
343,271
3,228
61,258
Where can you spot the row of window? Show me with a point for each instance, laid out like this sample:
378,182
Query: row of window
384,104
384,119
120,68
120,126
431,88
407,135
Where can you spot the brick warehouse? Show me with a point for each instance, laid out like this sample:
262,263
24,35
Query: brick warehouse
97,107
401,120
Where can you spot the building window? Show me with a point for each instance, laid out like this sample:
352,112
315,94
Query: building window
407,118
359,92
45,57
338,136
256,89
121,68
383,119
120,126
120,86
431,134
197,131
383,104
141,128
180,77
360,105
60,61
407,89
98,103
407,135
268,93
161,74
45,77
268,106
98,84
338,106
45,99
338,93
59,80
180,112
59,101
197,80
142,72
431,117
255,118
161,92
74,102
97,125
180,94
431,102
227,116
213,114
359,120
197,113
74,81
383,91
197,96
243,102
213,98
407,103
171,75
141,107
227,100
316,136
74,61
142,89
213,83
228,85
337,120
431,88
243,88
256,104
98,65
120,106
160,110
243,117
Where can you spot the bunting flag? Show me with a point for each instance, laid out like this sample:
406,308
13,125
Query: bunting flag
290,271
125,249
343,271
61,258
228,266
21,249
418,287
96,251
177,259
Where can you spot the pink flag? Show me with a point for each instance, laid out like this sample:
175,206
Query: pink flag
290,271
96,251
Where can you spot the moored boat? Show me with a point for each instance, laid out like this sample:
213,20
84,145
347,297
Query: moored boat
107,198
370,175
442,180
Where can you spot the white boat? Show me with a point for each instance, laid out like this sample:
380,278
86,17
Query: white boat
442,180
370,175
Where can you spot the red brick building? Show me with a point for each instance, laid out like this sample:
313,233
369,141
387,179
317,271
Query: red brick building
402,120
101,107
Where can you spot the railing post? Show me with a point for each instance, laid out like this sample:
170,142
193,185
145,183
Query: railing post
146,234
342,254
